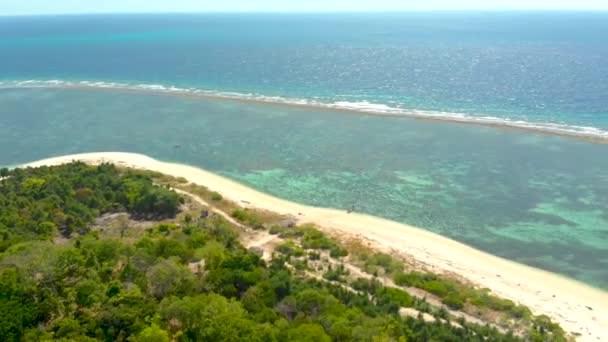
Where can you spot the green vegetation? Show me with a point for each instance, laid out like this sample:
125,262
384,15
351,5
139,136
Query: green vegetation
376,263
311,238
181,280
216,196
336,273
457,295
38,203
248,218
289,248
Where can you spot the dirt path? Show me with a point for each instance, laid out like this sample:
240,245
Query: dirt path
212,208
252,238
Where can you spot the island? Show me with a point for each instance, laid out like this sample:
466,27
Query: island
122,247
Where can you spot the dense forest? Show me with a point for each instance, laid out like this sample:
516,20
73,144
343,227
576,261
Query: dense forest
37,203
189,280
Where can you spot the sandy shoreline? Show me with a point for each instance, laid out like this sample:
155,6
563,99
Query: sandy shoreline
513,126
578,308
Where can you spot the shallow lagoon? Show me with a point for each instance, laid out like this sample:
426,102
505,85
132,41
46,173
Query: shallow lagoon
540,200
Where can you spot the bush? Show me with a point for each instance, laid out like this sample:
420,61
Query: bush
197,239
314,256
453,301
315,239
166,228
415,279
216,196
276,230
374,262
336,274
337,251
543,329
182,180
520,312
482,298
397,296
290,249
436,287
366,285
300,265
248,218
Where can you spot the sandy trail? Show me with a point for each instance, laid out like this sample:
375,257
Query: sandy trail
212,209
578,308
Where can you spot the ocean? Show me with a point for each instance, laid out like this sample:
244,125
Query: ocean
325,109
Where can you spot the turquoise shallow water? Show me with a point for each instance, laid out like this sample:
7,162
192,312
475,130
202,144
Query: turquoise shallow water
536,199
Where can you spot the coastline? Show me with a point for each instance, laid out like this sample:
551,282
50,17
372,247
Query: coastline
548,129
577,307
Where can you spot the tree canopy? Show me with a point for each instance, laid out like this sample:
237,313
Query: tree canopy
36,203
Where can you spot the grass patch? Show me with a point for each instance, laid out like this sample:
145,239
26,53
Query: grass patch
311,238
248,218
380,263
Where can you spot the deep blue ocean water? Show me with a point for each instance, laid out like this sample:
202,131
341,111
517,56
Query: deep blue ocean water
535,67
535,198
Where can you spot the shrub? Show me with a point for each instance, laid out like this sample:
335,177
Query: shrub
276,230
300,265
374,262
453,301
543,329
248,218
337,251
290,249
216,196
415,279
314,256
166,228
397,296
436,287
315,239
333,275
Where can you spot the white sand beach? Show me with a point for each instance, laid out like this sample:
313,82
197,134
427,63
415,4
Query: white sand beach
578,308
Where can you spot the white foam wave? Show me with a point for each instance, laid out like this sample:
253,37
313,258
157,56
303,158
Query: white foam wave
356,106
364,106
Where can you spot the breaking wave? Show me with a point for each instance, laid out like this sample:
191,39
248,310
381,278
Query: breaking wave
362,107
